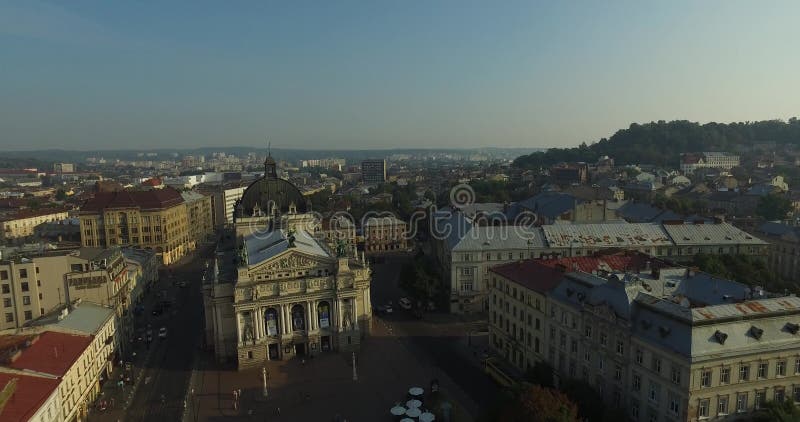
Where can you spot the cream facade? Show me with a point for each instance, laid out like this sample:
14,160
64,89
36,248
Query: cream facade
385,235
660,343
23,223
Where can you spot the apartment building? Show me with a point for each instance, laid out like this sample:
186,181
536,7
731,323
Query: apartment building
31,398
482,247
373,171
660,342
157,219
200,219
21,223
35,285
717,160
74,361
784,250
385,235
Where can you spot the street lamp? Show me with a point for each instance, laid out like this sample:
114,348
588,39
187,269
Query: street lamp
264,377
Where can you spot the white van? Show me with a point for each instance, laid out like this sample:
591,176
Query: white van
404,303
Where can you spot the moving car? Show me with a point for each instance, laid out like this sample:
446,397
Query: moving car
404,303
182,284
162,332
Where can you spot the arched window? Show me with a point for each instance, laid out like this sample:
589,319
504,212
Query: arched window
298,318
271,322
324,314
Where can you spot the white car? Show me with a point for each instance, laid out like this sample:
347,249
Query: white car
162,332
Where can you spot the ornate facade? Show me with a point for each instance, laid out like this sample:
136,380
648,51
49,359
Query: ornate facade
287,294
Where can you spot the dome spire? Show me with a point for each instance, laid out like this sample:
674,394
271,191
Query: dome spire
270,171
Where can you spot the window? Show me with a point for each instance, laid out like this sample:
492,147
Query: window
702,409
741,402
23,273
574,346
656,364
636,384
763,367
620,347
587,356
4,275
588,331
28,315
674,405
7,302
796,393
760,399
653,394
676,375
9,317
725,375
538,324
552,333
635,411
797,366
563,341
744,372
705,379
24,286
6,289
779,395
600,363
722,405
639,356
780,368
618,373
26,300
603,339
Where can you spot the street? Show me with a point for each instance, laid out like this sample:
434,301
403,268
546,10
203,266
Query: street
162,369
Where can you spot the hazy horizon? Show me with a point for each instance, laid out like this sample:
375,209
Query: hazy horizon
90,75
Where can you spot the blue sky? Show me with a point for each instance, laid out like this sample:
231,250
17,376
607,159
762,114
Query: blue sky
384,74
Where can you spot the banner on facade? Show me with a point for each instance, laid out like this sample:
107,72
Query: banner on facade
272,324
324,316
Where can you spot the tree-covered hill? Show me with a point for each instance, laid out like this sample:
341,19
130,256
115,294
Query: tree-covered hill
662,142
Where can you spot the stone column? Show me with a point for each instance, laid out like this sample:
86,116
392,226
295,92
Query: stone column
309,319
339,321
287,326
354,314
238,328
260,322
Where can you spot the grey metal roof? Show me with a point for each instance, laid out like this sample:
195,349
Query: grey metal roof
716,234
263,246
606,235
548,204
86,317
487,238
451,226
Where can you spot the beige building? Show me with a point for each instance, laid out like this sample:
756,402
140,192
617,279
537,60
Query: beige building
21,224
659,342
201,221
157,219
481,247
385,235
275,291
784,249
33,286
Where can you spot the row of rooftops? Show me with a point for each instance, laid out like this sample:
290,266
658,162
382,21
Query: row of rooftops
680,308
594,235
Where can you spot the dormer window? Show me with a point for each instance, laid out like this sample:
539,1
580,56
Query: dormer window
720,336
792,327
756,332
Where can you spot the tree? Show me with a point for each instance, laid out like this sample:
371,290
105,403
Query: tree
541,374
773,207
61,195
539,404
784,411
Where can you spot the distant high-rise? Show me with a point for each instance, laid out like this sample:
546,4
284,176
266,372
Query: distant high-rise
373,171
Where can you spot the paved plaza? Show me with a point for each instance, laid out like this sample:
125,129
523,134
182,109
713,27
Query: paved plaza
323,387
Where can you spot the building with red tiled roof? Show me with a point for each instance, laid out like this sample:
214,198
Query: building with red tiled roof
67,360
156,219
32,398
52,353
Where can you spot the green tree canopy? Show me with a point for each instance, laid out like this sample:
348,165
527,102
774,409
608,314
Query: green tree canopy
773,207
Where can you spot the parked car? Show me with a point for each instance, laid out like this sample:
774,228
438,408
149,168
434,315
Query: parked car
157,311
182,285
162,332
404,303
388,309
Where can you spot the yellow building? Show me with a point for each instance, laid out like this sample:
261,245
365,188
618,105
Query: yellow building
21,224
156,219
385,235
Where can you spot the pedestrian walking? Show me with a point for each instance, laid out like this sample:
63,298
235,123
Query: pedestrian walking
278,411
